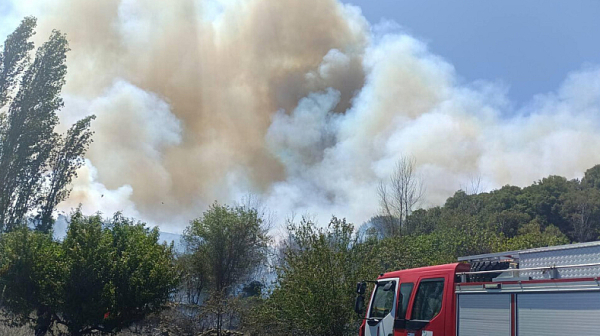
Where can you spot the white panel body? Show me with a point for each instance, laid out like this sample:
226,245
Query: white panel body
483,314
558,314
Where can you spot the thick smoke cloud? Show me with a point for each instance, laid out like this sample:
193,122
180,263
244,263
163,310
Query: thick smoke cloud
300,102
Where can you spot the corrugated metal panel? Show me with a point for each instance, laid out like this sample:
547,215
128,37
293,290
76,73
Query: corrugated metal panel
516,253
484,314
532,286
558,314
567,255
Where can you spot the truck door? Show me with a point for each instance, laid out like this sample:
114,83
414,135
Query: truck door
427,316
406,289
380,318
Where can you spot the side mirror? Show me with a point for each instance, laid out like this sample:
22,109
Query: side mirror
359,305
361,288
388,286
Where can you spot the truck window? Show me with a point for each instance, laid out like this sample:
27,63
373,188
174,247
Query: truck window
406,291
383,301
428,301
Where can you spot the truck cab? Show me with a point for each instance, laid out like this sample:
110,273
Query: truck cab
413,302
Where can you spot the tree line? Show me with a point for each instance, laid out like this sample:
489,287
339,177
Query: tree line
112,275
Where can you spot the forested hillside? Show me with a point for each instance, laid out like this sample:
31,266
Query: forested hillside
317,268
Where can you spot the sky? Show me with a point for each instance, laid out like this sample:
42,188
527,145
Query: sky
529,46
308,105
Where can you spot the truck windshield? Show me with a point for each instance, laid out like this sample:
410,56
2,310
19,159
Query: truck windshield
383,301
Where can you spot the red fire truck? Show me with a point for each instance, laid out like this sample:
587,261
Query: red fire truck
548,291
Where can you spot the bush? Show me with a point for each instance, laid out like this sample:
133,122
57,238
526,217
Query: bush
103,277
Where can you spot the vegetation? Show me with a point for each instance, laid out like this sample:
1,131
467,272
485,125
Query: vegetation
102,277
226,245
109,275
316,278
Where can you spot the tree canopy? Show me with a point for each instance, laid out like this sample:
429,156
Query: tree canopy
226,245
316,278
102,277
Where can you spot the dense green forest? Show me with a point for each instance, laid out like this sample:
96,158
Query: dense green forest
112,275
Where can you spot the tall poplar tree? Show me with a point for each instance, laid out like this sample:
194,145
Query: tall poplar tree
36,163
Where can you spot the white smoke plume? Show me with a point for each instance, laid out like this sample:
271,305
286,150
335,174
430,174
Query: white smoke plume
300,102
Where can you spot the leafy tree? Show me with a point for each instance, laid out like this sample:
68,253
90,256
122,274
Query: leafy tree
15,57
543,200
103,277
193,279
591,179
36,164
227,244
64,161
532,235
464,203
316,282
508,222
459,236
424,221
505,198
581,208
32,269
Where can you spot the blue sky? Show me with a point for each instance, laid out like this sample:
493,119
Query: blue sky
530,46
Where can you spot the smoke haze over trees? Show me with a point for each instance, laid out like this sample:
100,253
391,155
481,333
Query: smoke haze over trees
301,102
